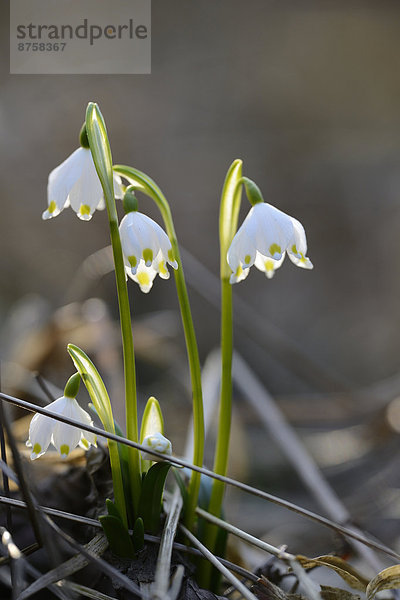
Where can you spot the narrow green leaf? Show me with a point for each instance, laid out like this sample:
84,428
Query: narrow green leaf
94,385
118,536
151,496
229,212
138,535
99,396
112,509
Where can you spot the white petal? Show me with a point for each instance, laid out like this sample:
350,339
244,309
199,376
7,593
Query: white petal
239,275
66,437
86,193
274,230
144,276
61,180
304,262
298,247
40,432
130,246
87,438
268,265
118,187
102,204
242,251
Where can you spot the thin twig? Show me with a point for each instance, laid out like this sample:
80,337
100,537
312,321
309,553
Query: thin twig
102,565
218,565
238,484
6,485
44,387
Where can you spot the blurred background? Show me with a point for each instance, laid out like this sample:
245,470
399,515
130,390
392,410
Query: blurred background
307,93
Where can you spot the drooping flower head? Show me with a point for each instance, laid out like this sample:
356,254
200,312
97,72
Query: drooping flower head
145,245
157,442
75,183
264,237
44,430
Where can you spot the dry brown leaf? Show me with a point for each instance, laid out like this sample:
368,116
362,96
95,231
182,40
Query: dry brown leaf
388,579
346,571
332,593
263,589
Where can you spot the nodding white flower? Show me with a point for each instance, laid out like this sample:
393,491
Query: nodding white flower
45,430
146,248
157,442
264,237
75,183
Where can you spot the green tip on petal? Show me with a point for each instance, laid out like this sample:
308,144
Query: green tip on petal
253,192
64,450
130,202
72,386
83,137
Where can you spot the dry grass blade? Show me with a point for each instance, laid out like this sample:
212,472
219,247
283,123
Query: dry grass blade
87,592
228,480
388,579
246,593
346,571
96,546
160,589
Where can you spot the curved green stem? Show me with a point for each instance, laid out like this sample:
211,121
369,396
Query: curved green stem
101,153
146,185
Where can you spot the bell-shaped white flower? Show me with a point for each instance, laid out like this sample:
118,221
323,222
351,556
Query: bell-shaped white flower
146,248
75,183
264,237
157,442
44,430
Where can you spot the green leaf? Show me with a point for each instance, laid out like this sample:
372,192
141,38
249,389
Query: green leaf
112,509
151,496
152,422
138,535
99,396
118,536
94,385
100,147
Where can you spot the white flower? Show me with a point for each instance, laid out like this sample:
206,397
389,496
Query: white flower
157,442
75,183
264,237
65,438
146,248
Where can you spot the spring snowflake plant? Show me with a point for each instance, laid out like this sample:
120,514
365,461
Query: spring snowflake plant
141,250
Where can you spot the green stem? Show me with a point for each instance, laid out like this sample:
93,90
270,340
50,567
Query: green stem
229,212
129,361
118,485
146,185
101,152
